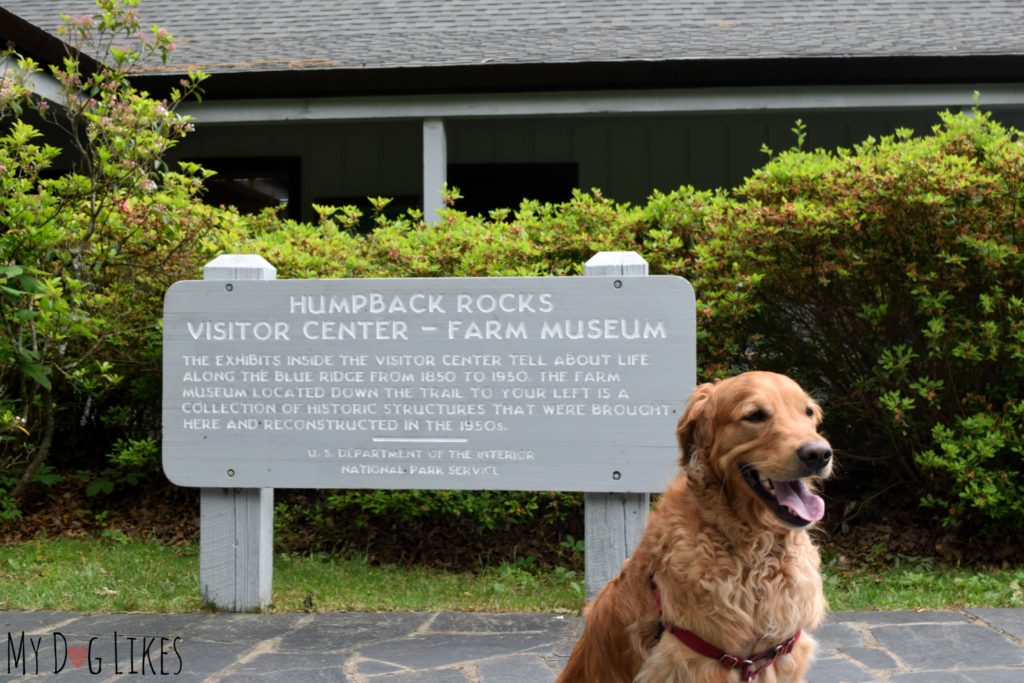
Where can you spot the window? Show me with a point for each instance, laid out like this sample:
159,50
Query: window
253,184
491,186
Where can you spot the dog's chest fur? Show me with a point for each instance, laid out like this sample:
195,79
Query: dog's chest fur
761,593
755,591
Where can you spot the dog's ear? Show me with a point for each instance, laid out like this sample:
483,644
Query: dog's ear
694,425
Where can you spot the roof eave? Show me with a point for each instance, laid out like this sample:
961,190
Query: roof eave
32,41
488,78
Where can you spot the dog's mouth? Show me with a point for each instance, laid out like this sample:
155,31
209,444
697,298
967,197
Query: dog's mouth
791,501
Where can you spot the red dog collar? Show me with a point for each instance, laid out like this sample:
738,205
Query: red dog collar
748,671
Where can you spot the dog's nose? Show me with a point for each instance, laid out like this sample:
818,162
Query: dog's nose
815,454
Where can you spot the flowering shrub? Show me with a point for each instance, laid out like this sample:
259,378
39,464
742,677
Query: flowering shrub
85,257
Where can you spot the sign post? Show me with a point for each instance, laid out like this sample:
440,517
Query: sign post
236,525
612,522
540,383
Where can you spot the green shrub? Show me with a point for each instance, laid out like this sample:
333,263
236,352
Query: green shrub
888,278
488,510
981,456
464,529
131,461
536,239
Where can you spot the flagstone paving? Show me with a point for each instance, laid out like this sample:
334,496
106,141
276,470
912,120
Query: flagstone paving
969,646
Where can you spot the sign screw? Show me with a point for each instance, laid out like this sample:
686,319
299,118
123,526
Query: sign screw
229,287
616,475
618,284
231,473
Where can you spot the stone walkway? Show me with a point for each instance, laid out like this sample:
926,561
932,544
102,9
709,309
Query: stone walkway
978,645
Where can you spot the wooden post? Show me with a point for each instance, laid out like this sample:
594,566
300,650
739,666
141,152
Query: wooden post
435,167
236,526
612,522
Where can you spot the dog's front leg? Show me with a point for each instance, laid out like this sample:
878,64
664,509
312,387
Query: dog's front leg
792,668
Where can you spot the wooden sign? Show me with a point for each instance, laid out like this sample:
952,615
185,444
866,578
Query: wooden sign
571,384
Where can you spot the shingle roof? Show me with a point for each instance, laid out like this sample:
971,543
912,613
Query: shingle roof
238,36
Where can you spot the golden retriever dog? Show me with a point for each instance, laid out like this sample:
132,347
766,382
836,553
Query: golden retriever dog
724,585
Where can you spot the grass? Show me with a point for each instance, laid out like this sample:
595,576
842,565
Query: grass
922,586
116,574
98,576
336,584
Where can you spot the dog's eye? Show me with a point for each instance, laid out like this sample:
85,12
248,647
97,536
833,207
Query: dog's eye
809,412
756,416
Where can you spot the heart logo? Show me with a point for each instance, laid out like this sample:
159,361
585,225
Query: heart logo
77,655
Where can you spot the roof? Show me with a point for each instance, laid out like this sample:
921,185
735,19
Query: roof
486,38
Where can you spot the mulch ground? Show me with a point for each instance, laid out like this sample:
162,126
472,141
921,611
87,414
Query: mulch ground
163,513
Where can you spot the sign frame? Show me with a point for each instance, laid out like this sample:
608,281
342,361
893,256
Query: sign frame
650,321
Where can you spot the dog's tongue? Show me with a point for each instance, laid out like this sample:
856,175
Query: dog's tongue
803,503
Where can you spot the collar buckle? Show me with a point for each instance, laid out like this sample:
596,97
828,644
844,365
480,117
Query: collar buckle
734,662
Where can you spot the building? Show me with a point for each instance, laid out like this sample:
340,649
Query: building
331,101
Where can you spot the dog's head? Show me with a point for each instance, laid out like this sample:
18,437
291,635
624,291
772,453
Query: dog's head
755,436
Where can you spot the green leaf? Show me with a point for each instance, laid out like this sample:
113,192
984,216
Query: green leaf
37,372
97,486
11,292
